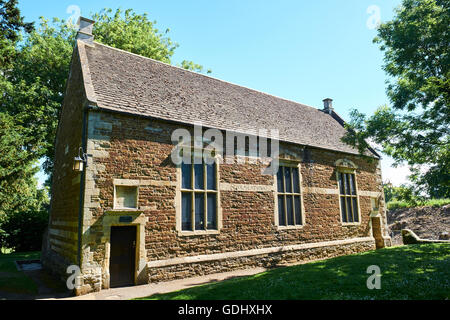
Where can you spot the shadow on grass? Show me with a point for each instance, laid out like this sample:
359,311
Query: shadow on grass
12,281
408,272
27,285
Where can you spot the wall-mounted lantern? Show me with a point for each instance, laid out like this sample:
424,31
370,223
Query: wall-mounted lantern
79,161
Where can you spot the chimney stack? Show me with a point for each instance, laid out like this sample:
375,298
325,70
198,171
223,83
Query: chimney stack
328,105
85,32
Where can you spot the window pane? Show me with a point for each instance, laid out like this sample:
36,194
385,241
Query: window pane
280,179
341,183
352,183
211,176
343,211
290,211
199,178
296,181
199,211
347,184
212,212
298,212
186,206
269,147
287,177
355,210
186,174
281,217
349,209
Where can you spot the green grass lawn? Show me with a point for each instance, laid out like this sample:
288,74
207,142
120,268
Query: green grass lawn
12,280
408,272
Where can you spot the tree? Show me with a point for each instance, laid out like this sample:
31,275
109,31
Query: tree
401,193
415,130
18,190
11,24
135,33
41,70
18,187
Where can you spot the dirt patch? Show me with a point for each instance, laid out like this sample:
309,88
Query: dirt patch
426,222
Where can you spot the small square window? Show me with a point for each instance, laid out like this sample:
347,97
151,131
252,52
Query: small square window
126,197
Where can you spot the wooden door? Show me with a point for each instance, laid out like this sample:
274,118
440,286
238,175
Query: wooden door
123,256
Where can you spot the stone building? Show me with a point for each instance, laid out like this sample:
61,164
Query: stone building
126,213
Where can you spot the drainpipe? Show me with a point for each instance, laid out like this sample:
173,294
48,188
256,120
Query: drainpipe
82,183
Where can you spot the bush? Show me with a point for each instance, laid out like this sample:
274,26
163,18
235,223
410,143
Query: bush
23,231
398,205
436,203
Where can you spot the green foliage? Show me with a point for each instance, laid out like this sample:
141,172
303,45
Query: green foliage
38,78
129,31
189,65
416,128
406,197
389,192
33,86
407,272
133,32
18,139
19,128
416,45
23,230
437,178
11,24
18,186
395,204
402,193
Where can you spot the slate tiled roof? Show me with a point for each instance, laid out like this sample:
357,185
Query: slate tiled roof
126,82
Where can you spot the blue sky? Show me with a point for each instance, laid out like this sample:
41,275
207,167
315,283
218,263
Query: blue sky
299,50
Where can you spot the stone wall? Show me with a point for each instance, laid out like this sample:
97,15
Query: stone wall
60,245
138,149
166,271
409,237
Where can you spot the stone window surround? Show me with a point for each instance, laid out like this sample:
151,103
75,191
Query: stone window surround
293,164
126,183
347,166
178,208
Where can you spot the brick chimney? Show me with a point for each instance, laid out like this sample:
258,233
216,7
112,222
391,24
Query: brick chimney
85,32
328,105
